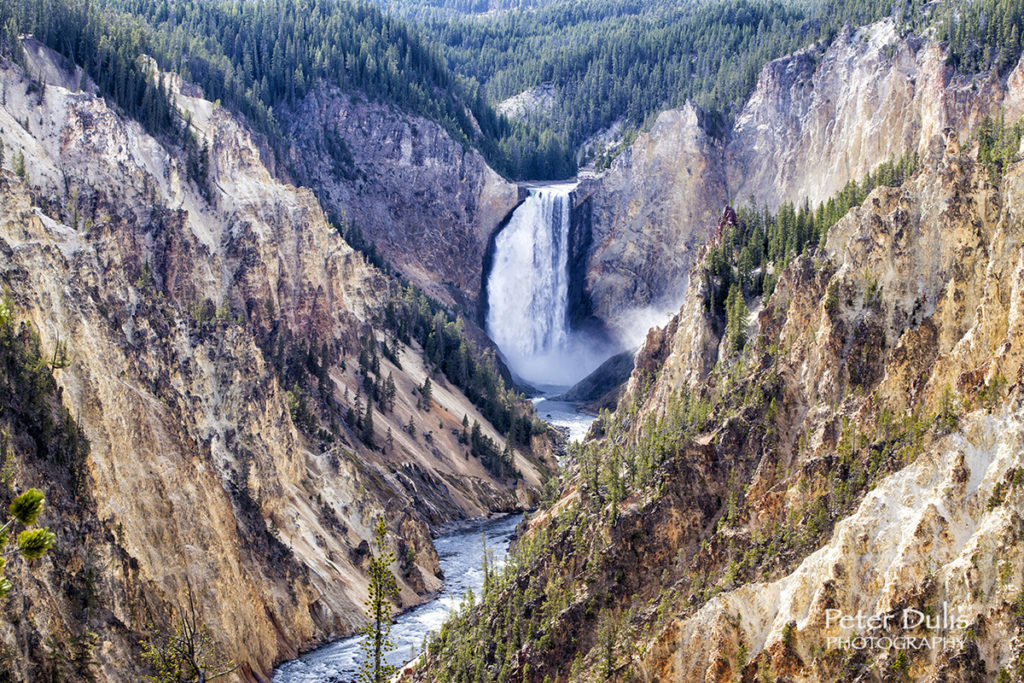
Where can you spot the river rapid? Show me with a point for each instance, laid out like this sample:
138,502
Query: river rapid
461,555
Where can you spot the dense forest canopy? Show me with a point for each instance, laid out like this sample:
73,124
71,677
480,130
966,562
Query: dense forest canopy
611,61
608,62
425,9
605,63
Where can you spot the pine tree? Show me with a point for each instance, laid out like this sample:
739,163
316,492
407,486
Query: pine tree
425,394
507,454
476,439
19,167
377,634
389,392
31,543
487,563
607,637
368,423
737,316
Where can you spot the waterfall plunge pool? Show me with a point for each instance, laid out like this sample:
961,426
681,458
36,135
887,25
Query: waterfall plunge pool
461,555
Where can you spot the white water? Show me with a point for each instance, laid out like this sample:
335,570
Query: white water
461,555
565,415
528,293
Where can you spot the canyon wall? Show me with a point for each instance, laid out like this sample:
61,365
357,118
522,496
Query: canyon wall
649,214
926,317
183,302
426,202
816,120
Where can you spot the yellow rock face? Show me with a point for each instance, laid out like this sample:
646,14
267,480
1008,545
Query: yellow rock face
198,474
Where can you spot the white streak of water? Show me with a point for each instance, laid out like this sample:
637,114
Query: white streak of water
528,293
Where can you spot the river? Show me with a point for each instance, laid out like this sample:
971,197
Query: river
565,415
528,318
461,556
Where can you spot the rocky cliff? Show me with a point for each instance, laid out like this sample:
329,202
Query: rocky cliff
924,321
820,118
185,302
649,213
816,120
818,505
426,202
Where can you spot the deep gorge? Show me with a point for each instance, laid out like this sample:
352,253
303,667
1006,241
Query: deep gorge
263,286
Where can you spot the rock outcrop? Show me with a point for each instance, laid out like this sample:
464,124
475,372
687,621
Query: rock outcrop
817,119
928,287
427,203
649,213
861,456
182,309
820,118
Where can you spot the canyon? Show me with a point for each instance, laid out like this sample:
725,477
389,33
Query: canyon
224,431
182,306
856,452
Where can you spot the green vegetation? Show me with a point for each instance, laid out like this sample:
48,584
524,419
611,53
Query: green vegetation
569,561
607,62
27,392
259,58
737,317
442,8
72,658
376,634
40,442
425,395
998,144
30,543
409,316
570,566
982,34
758,245
187,654
900,667
109,49
610,61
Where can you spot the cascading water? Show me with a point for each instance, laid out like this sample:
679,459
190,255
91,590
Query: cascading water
528,291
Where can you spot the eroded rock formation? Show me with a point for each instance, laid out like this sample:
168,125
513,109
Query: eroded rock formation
181,305
816,120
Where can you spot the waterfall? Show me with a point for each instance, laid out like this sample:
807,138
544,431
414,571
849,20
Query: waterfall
528,289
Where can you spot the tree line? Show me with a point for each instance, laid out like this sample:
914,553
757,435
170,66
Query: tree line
610,62
607,62
756,245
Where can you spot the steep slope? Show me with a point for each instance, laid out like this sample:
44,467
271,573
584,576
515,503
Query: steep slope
648,214
820,118
214,332
816,120
927,288
426,203
860,454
